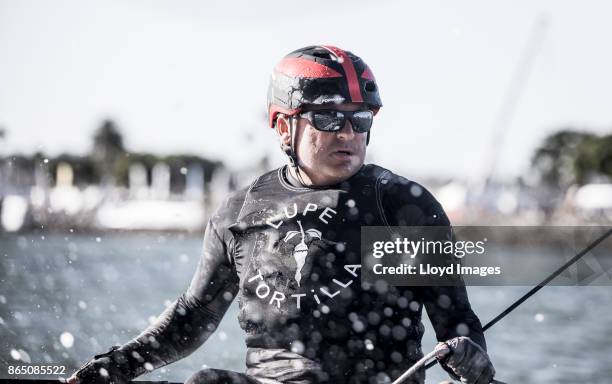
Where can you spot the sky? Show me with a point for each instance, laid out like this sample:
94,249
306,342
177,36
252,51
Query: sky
191,76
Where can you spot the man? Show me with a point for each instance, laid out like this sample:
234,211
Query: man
288,246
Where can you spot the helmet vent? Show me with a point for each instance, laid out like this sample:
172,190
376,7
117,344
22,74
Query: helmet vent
370,86
323,55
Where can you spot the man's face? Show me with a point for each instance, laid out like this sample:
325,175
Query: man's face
330,157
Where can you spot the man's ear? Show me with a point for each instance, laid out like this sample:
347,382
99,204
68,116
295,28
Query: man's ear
283,130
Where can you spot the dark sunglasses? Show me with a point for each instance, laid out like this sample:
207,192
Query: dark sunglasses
333,120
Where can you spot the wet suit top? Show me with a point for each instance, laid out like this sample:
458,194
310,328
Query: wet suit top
291,255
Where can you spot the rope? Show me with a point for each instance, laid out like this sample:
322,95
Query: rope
429,364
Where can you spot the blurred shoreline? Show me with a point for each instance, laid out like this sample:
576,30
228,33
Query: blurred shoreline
115,189
100,210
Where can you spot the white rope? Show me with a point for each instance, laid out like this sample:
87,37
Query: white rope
421,363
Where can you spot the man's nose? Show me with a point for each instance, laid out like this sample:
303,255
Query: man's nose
347,132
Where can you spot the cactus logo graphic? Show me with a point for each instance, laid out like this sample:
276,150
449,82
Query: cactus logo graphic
301,250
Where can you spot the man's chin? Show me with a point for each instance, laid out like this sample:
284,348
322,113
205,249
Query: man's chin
343,172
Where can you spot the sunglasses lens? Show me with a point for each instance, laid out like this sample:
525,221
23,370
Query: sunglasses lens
328,121
333,121
362,121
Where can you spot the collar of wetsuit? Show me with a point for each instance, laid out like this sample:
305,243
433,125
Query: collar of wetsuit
288,176
291,179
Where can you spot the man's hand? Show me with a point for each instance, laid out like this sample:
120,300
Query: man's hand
465,361
107,368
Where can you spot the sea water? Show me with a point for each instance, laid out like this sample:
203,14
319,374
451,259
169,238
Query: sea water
67,296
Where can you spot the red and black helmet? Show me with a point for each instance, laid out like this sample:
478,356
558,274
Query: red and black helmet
320,74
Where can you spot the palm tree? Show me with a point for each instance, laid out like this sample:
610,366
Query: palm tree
301,250
108,150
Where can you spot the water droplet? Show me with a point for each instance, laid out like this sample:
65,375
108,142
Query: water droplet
539,317
399,332
463,329
358,326
396,357
402,302
382,378
67,339
103,372
381,286
414,306
444,301
373,318
24,356
297,347
15,354
384,330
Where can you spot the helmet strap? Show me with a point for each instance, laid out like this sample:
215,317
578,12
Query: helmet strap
290,150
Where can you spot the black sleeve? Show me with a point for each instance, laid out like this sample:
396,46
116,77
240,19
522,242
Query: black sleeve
451,315
410,204
194,316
